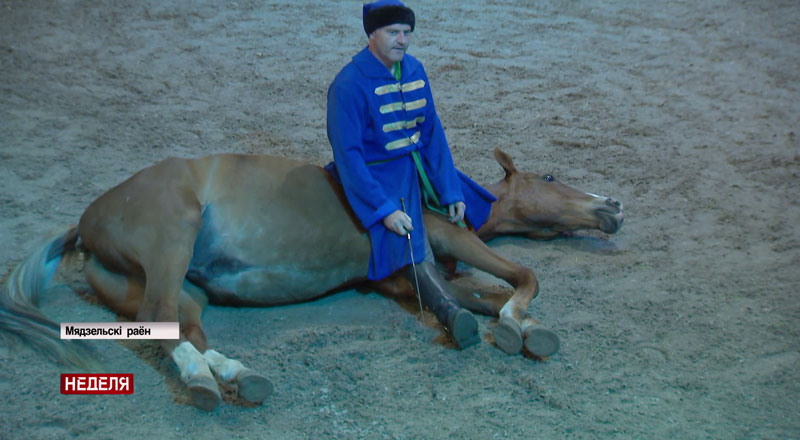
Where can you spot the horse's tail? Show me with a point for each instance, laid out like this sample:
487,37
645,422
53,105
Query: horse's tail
19,299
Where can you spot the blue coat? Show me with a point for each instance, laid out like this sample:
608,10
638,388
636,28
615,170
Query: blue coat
374,123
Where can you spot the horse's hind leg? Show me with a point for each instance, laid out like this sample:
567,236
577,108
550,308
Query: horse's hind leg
196,361
251,386
121,293
124,294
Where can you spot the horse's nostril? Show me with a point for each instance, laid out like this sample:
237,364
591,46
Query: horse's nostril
612,202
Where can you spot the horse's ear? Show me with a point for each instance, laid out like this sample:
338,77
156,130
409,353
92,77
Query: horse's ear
505,161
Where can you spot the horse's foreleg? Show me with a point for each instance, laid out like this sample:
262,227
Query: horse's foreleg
539,341
467,247
478,299
483,299
489,300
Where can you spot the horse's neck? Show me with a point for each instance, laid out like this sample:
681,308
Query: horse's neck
499,216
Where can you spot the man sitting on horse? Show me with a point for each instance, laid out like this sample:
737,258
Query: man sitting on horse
391,156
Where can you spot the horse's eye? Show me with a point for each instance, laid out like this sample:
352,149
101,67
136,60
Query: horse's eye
548,178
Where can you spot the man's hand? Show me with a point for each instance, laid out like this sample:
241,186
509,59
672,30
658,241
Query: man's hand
456,211
398,222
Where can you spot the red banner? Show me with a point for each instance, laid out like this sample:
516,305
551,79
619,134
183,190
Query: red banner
97,384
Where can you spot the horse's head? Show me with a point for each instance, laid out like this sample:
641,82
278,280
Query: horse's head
540,206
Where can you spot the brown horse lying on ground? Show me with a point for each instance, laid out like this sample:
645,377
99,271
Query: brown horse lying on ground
247,230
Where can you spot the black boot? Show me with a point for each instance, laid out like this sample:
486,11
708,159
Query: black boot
435,295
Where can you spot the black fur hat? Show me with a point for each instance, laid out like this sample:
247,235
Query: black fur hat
382,13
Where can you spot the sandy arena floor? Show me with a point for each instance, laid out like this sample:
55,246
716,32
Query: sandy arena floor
686,324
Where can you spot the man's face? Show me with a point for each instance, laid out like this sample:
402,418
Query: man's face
390,43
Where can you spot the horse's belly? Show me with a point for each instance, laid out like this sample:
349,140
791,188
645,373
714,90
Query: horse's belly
277,284
255,262
274,232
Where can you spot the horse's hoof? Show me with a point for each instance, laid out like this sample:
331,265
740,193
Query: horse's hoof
464,329
205,392
508,335
253,387
541,342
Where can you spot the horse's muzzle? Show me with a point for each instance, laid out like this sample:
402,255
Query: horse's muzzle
611,216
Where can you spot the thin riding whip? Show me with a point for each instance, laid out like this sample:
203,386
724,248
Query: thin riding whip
413,265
